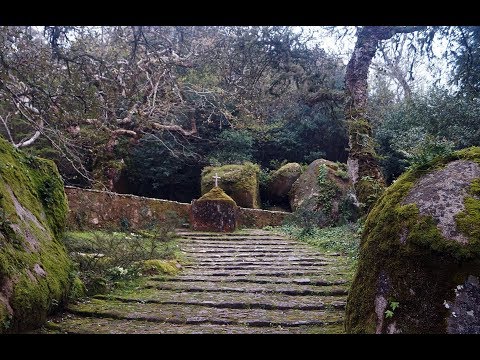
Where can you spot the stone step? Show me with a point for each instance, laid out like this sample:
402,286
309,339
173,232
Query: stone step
191,314
181,232
283,273
239,265
312,281
261,260
266,248
290,289
72,324
258,255
208,267
227,239
229,300
268,251
235,243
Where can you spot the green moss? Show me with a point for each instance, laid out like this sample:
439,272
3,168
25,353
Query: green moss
287,169
37,186
468,221
238,181
217,194
328,190
155,266
77,290
408,248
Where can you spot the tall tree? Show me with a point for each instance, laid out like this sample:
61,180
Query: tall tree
363,164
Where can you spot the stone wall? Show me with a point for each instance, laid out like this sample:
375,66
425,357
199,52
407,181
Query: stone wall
256,218
102,209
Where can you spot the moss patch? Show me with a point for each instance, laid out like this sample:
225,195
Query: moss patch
155,266
238,181
405,258
217,194
33,211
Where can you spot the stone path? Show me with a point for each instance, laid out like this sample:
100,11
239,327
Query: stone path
254,282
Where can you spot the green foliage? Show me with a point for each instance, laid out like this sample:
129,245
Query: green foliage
327,190
155,171
104,258
234,147
308,216
390,312
368,191
429,125
467,61
343,239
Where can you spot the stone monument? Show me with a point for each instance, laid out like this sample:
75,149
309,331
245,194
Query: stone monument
214,211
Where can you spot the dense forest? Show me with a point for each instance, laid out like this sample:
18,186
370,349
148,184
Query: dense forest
143,109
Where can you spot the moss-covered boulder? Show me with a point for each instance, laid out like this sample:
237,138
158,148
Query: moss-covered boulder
238,181
35,271
214,211
419,264
322,189
281,182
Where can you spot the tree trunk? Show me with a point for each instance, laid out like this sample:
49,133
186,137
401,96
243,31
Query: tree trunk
362,162
363,166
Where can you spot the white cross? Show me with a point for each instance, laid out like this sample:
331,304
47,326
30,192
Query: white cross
216,177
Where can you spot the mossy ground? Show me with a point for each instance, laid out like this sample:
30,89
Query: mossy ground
109,260
38,188
430,264
194,302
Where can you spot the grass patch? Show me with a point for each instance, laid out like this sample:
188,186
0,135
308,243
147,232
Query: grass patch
344,239
107,259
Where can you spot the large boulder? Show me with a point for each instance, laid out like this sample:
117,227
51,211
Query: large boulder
238,181
322,189
419,264
214,211
281,182
35,271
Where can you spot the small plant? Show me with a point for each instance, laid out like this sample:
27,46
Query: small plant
342,170
390,312
327,190
104,258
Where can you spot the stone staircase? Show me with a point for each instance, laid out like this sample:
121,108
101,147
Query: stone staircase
245,282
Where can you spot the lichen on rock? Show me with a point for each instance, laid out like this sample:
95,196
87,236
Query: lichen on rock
240,182
281,181
35,271
422,239
322,188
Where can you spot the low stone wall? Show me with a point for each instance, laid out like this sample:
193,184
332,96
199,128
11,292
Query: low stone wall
92,209
256,218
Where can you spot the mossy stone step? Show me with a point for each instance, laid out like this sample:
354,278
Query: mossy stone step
191,314
245,282
251,265
312,281
215,251
258,255
318,266
234,243
266,248
290,289
261,260
227,301
92,325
